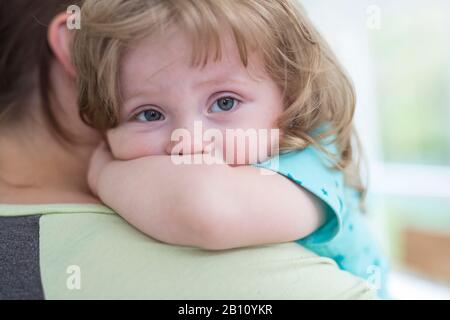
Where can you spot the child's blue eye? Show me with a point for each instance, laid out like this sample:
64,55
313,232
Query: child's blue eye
150,115
224,104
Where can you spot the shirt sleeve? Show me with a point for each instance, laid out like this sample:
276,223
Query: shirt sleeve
311,169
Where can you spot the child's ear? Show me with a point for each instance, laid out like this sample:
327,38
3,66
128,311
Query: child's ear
60,40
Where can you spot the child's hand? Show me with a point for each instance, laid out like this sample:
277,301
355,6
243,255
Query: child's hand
100,158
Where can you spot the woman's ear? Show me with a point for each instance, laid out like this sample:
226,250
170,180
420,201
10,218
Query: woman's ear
60,39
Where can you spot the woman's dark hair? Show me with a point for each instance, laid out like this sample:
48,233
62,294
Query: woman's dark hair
25,55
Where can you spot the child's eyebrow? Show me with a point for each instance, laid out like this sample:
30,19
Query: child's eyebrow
148,88
212,82
216,81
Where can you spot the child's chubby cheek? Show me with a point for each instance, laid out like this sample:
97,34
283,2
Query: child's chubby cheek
128,145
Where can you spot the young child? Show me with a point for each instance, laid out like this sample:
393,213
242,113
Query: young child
147,68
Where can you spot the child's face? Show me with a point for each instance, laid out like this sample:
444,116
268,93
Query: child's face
161,92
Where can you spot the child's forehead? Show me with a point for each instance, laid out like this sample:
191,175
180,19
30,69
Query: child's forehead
170,54
173,43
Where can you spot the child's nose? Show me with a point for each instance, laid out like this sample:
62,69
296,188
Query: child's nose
184,147
186,140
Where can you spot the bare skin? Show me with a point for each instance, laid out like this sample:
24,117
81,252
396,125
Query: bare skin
54,175
35,167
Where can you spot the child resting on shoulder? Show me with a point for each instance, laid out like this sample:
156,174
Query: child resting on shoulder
151,72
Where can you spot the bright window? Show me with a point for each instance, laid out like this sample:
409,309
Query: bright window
398,55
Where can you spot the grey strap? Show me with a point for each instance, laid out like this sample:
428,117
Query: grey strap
20,276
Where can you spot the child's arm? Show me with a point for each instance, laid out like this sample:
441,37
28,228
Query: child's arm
208,206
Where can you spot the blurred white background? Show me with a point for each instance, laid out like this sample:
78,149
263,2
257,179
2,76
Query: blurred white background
398,56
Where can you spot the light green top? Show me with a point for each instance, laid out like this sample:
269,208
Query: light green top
91,246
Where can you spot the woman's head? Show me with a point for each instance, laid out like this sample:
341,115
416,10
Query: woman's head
36,80
312,85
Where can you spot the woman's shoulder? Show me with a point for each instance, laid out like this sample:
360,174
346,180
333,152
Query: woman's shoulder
94,253
54,208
